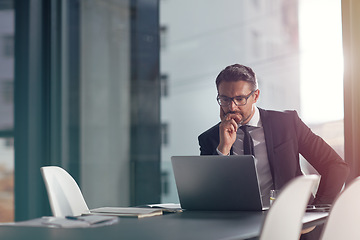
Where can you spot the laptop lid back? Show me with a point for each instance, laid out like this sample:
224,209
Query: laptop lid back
217,182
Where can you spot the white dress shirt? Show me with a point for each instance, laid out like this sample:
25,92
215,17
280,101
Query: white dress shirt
261,159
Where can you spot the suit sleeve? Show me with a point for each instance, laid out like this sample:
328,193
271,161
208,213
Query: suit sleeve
332,168
209,141
206,146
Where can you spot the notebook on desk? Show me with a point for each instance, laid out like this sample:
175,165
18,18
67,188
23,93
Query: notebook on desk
224,183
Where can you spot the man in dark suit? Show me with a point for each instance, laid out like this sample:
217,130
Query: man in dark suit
277,137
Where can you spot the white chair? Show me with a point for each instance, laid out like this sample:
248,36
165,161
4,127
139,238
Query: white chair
64,193
284,218
344,217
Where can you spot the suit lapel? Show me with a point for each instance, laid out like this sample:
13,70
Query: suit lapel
266,123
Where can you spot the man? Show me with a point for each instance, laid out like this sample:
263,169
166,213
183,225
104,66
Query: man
277,138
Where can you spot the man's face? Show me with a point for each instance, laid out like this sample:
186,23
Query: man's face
238,89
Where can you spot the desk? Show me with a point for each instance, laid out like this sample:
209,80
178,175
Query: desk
186,225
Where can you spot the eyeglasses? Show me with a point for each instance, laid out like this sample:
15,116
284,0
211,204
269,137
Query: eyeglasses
238,100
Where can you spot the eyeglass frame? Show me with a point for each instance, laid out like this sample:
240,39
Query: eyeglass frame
233,98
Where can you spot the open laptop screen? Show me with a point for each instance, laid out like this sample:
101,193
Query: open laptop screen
214,182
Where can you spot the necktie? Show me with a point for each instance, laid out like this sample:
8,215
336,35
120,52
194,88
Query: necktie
248,142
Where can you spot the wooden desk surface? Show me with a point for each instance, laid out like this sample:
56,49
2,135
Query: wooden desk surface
186,225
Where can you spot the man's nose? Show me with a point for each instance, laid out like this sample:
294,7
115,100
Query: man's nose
232,105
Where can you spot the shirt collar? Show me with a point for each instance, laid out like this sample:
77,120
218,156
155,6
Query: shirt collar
255,121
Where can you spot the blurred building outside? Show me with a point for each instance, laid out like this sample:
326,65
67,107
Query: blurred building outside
281,40
6,112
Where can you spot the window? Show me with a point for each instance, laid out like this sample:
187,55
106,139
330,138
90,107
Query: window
6,111
8,46
119,92
163,37
164,134
164,82
289,47
256,44
88,100
256,3
7,88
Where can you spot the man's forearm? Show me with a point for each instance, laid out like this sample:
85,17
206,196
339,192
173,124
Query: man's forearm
331,183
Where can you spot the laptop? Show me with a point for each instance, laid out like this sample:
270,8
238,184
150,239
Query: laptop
217,183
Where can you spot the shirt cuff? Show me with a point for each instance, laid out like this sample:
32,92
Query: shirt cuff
220,153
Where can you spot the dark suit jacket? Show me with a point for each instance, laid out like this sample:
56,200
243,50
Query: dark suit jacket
286,136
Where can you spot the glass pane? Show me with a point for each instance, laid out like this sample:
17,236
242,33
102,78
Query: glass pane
116,120
321,69
6,111
6,179
105,106
287,44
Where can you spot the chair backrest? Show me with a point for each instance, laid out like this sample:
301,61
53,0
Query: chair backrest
64,193
344,217
284,218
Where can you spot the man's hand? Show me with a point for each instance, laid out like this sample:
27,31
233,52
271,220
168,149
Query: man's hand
227,130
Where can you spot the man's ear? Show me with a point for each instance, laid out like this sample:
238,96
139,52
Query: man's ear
256,95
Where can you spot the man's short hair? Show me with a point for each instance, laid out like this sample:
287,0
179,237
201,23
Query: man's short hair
237,72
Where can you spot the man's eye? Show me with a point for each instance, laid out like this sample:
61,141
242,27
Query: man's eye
239,99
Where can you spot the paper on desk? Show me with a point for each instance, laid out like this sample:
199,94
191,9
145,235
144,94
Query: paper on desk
166,205
61,222
312,216
126,212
